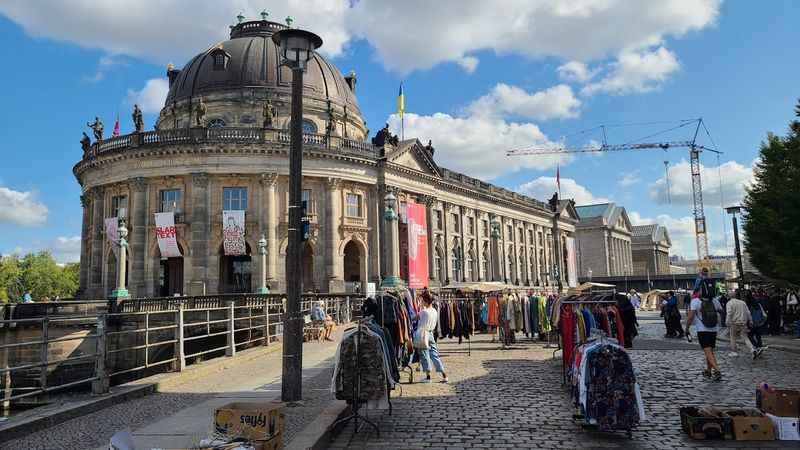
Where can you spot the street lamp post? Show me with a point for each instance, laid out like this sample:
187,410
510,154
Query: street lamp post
262,250
733,210
121,293
296,48
392,279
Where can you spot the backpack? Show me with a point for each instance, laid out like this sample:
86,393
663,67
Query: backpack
759,318
708,313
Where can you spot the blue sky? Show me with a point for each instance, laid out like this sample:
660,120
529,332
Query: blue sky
478,80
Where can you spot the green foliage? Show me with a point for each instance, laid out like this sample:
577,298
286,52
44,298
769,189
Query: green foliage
772,207
39,274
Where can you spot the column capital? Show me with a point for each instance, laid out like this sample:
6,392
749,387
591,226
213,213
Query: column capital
428,200
333,183
200,179
139,184
268,179
85,200
97,193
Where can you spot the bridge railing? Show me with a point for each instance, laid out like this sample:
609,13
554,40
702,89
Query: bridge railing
139,337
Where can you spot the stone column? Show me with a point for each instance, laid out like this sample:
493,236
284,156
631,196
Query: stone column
269,182
376,226
430,201
138,233
463,253
536,263
446,258
496,254
86,236
205,261
96,261
333,216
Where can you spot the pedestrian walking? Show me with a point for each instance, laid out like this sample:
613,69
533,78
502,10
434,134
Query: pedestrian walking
672,316
630,323
636,299
704,312
739,322
424,341
759,318
774,310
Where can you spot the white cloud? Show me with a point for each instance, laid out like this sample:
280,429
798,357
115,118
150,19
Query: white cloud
407,35
477,145
170,31
735,177
105,64
66,249
636,71
629,179
543,188
681,232
468,63
21,208
152,96
576,72
556,102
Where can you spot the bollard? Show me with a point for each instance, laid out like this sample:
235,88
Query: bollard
231,350
101,382
180,359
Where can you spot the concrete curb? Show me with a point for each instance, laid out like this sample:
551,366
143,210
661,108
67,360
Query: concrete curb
47,416
317,435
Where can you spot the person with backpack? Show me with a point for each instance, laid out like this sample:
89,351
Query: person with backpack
704,313
759,318
740,320
672,316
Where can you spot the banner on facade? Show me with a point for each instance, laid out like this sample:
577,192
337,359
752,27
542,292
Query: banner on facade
417,246
112,234
233,233
572,263
166,235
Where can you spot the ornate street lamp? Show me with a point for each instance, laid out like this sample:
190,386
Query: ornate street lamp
392,239
121,293
262,250
296,48
389,201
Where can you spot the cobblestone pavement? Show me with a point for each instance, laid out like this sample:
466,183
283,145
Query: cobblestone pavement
183,405
513,399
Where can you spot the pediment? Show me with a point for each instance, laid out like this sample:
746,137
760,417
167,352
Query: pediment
412,155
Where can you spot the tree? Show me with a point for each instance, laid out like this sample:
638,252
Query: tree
38,273
772,207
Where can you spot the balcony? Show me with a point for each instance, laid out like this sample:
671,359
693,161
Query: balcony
312,142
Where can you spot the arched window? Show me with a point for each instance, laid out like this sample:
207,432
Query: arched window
437,264
216,123
220,58
456,263
470,261
309,127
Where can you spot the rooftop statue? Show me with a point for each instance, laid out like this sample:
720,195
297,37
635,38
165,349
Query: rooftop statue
200,113
86,143
97,128
269,114
384,137
138,120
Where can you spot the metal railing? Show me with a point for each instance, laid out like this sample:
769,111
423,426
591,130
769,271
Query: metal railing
136,336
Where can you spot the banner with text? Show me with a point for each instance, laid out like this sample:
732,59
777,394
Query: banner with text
233,233
112,234
417,246
572,263
166,235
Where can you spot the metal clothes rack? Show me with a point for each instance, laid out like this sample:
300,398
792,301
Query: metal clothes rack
472,331
564,362
355,405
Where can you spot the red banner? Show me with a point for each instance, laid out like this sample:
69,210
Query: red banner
417,246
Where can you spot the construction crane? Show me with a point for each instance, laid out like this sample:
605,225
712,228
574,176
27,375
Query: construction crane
701,235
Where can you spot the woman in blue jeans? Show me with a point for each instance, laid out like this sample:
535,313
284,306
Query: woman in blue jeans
428,350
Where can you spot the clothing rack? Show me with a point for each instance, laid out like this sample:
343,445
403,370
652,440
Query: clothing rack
564,362
355,406
472,330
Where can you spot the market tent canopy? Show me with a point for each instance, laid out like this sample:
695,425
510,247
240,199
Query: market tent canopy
482,286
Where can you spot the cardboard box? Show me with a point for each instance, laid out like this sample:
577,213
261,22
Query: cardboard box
276,443
706,423
750,424
778,402
786,428
250,420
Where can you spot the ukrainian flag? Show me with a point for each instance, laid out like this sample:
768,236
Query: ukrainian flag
401,104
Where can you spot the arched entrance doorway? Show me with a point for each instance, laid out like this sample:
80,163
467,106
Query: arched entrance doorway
308,268
170,275
352,263
235,272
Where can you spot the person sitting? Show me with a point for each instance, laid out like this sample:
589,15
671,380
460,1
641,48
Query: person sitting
319,315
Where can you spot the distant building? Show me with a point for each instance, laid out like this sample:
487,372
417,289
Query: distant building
676,270
719,264
603,236
650,246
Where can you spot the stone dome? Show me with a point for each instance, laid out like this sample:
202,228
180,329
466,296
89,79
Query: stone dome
249,61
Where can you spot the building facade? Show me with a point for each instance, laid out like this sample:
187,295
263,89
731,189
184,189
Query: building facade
221,143
603,237
650,246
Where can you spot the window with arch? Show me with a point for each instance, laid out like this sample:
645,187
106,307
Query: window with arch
216,123
485,265
470,261
456,260
309,127
219,59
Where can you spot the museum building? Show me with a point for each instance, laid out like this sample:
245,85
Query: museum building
221,143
